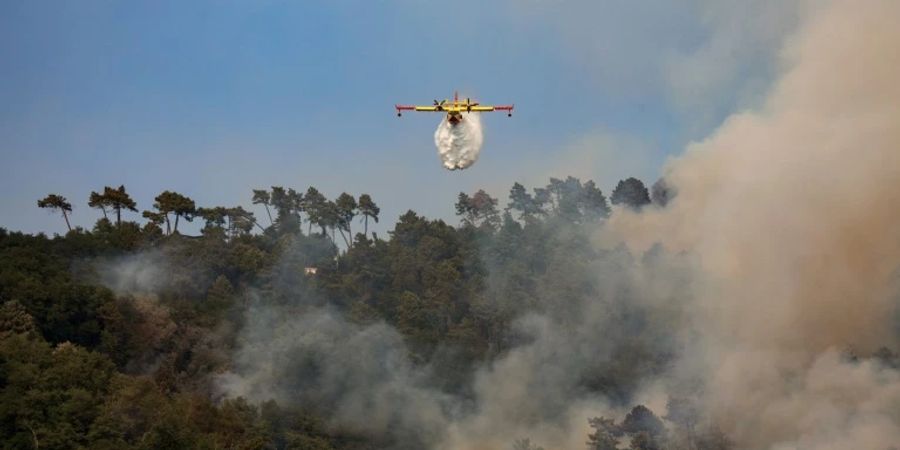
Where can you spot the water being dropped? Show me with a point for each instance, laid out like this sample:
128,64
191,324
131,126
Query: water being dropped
459,145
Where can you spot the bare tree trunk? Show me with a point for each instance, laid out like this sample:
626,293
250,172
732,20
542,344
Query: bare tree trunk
118,217
345,238
168,227
177,216
366,221
66,216
271,222
260,226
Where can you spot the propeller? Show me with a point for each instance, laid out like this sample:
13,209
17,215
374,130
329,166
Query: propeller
440,106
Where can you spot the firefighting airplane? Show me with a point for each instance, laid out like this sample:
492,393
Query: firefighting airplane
455,108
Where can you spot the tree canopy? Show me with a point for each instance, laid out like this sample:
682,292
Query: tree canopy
59,203
630,192
119,336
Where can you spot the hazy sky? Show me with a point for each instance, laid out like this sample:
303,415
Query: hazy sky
215,98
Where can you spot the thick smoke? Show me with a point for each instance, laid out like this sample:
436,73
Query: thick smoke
793,214
459,145
361,378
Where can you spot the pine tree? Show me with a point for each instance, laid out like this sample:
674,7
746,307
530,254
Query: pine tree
57,202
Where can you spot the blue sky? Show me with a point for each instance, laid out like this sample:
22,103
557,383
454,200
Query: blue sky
215,98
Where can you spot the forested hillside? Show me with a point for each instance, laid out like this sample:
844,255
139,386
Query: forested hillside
302,329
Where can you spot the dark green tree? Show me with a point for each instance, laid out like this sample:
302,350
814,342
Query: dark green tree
463,208
368,209
605,436
295,204
569,198
262,197
594,202
555,192
118,199
661,193
154,221
215,218
330,218
523,203
641,419
56,202
98,201
241,221
630,192
347,210
287,205
50,397
479,210
280,200
174,203
315,205
541,198
230,222
115,199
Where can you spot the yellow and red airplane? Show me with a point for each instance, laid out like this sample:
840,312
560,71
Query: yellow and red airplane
455,108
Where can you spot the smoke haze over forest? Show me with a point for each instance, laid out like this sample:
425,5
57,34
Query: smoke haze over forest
747,298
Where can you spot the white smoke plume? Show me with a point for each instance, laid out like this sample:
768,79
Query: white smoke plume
793,214
134,274
459,145
359,375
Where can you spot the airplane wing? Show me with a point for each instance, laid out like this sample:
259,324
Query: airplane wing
415,108
488,108
401,108
454,108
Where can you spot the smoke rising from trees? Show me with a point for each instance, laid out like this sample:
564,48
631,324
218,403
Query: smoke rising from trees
790,211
